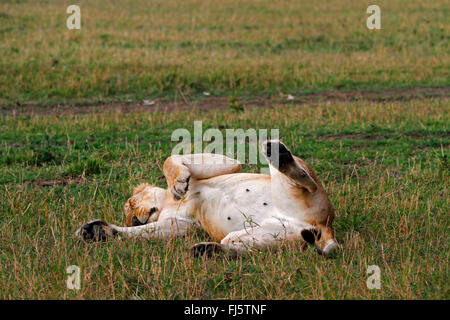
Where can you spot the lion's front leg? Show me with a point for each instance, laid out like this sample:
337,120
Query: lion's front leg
177,176
179,169
98,230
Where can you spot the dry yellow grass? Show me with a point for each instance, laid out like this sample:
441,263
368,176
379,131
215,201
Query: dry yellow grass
137,49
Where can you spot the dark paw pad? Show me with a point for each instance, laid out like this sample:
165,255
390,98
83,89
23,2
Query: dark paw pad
207,249
95,231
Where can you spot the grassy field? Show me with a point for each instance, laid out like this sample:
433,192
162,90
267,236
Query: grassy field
384,165
145,49
75,138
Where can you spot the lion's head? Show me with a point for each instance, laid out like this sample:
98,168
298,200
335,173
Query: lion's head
145,205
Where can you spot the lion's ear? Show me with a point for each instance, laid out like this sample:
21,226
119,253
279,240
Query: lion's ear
132,203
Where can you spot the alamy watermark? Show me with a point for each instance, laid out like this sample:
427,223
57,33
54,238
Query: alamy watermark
374,20
74,20
73,281
374,279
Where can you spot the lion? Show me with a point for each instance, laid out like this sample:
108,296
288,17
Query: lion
241,212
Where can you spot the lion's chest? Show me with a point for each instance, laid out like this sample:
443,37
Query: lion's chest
232,203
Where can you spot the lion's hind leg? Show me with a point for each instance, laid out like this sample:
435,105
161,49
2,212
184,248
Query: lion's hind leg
270,234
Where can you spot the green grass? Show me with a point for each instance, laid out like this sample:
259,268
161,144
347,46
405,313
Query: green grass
143,49
384,166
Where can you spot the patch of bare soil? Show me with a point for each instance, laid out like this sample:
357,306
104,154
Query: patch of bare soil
208,103
59,182
355,136
362,136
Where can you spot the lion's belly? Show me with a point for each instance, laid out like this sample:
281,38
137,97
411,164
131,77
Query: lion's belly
232,202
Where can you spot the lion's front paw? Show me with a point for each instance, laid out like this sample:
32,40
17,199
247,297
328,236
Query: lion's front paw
180,187
95,231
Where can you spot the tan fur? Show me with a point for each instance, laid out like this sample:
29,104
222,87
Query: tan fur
171,172
214,231
300,190
324,217
137,205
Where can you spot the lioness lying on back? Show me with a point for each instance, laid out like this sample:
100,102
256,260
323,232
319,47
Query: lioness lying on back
240,211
